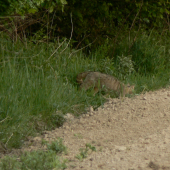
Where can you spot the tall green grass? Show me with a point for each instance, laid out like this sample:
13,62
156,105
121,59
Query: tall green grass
38,81
38,88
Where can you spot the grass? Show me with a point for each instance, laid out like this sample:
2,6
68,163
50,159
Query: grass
36,90
85,151
38,83
57,146
151,82
37,160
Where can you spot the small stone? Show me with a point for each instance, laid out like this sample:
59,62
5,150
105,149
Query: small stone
91,114
37,139
120,148
144,98
91,109
66,127
69,116
91,159
168,94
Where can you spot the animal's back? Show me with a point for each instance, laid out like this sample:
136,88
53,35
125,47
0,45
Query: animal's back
99,80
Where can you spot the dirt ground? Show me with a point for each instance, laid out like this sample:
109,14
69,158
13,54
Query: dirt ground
133,134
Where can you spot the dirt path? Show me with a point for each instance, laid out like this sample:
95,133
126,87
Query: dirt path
129,135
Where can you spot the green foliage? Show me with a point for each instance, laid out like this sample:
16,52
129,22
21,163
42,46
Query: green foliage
148,56
24,7
104,62
124,66
38,88
84,151
37,160
57,146
145,83
9,163
91,21
4,5
88,145
40,160
38,81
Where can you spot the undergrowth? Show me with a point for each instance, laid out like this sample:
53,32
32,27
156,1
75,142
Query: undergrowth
37,160
37,87
38,81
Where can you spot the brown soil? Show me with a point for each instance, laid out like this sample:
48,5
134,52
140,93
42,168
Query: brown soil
133,134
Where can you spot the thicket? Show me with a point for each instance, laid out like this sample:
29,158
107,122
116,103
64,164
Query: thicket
85,22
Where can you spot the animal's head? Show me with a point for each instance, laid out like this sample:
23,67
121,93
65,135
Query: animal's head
130,89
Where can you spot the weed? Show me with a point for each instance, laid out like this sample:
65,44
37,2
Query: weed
38,160
84,151
78,135
57,146
125,66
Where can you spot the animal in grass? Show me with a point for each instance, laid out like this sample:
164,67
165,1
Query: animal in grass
100,81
